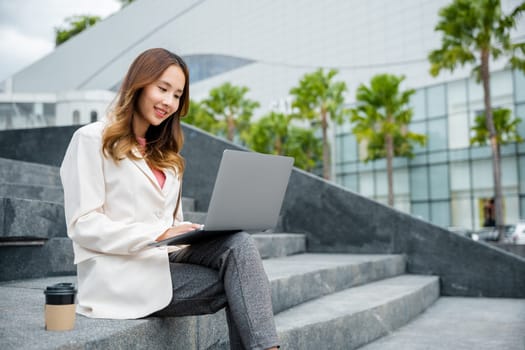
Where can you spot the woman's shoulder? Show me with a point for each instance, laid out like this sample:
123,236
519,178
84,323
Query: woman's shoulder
92,130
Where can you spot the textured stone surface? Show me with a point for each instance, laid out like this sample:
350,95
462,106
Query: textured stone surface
186,333
39,145
271,245
22,172
45,193
354,317
31,218
333,218
462,324
296,279
55,257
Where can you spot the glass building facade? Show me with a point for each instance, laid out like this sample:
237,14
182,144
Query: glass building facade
448,182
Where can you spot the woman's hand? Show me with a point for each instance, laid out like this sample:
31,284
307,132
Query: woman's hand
177,230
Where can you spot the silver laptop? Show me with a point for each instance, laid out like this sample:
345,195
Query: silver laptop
248,195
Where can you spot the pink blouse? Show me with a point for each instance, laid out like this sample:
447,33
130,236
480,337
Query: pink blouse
159,174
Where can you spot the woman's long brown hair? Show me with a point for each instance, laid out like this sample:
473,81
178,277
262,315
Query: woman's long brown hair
163,142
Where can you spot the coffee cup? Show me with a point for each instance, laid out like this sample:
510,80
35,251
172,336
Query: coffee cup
60,307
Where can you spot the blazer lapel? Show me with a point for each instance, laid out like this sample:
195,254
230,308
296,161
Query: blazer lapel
144,167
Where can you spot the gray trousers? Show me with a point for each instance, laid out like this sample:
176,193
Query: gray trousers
225,272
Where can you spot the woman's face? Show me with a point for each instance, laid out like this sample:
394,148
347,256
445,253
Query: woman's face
159,100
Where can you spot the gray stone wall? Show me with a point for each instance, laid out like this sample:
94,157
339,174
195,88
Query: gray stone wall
333,218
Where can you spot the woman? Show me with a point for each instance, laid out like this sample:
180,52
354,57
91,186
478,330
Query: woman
122,185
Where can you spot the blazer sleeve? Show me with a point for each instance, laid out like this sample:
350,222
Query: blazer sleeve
82,178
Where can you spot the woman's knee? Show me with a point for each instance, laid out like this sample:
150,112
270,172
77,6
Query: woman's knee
242,240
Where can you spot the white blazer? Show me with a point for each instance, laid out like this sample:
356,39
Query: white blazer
113,211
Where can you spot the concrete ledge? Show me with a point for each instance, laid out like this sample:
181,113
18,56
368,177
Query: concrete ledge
299,278
31,218
22,304
16,171
354,317
516,249
55,257
45,193
461,324
273,245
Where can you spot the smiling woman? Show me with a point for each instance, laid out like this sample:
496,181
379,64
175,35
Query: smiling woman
122,188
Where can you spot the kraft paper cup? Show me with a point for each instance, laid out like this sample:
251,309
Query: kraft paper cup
60,307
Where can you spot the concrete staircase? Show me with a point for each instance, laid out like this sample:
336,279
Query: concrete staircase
321,301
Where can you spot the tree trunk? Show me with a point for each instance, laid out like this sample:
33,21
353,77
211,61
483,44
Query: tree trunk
326,146
496,162
278,146
389,144
231,128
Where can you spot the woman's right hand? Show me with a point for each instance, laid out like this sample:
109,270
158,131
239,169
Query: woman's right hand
179,229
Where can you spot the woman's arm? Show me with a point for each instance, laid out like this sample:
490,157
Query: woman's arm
84,195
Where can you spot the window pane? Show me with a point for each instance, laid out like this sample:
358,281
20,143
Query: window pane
350,182
458,131
366,184
520,113
475,94
459,176
419,128
440,212
417,102
437,135
501,88
419,183
522,175
522,207
511,210
509,174
461,213
438,157
346,147
457,96
421,210
436,101
482,174
439,181
381,183
401,182
519,86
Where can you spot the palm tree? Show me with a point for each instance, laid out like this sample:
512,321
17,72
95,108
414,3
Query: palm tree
200,117
275,134
381,119
474,32
228,104
506,128
318,98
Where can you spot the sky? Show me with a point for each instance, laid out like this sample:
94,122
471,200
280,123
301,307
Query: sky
27,27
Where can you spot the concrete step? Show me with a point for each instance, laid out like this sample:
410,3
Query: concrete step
273,245
356,316
461,324
27,218
45,193
195,216
44,258
188,204
22,302
299,278
54,256
15,171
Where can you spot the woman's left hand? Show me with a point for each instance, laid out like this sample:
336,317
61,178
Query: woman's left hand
179,229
